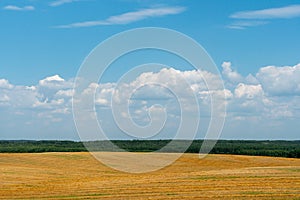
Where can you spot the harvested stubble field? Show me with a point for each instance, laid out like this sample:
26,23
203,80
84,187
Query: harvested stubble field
80,176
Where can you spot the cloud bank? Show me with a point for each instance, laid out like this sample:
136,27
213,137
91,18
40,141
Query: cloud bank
271,96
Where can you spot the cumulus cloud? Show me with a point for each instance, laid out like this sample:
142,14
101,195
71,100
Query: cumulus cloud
44,102
5,84
54,82
65,93
267,87
4,99
280,80
272,93
248,91
231,75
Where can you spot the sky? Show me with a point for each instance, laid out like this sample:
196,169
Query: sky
254,44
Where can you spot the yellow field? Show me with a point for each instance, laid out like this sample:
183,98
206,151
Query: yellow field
80,176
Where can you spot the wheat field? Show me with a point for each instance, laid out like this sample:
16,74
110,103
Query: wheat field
80,176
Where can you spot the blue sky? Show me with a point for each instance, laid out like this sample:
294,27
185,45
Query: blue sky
43,44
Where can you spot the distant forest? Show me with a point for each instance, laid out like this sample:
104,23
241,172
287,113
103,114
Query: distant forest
241,147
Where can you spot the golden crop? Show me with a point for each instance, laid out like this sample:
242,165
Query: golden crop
80,176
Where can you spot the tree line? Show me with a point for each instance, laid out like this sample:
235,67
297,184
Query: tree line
241,147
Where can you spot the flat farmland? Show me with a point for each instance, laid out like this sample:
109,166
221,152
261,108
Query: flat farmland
81,176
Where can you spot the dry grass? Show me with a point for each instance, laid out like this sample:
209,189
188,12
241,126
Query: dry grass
80,176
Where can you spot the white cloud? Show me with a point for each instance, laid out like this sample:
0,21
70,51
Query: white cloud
251,94
246,24
250,79
65,93
55,82
248,91
18,8
61,2
272,94
231,75
280,80
104,93
20,96
128,17
55,78
281,111
49,103
258,17
269,13
5,84
61,111
4,99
